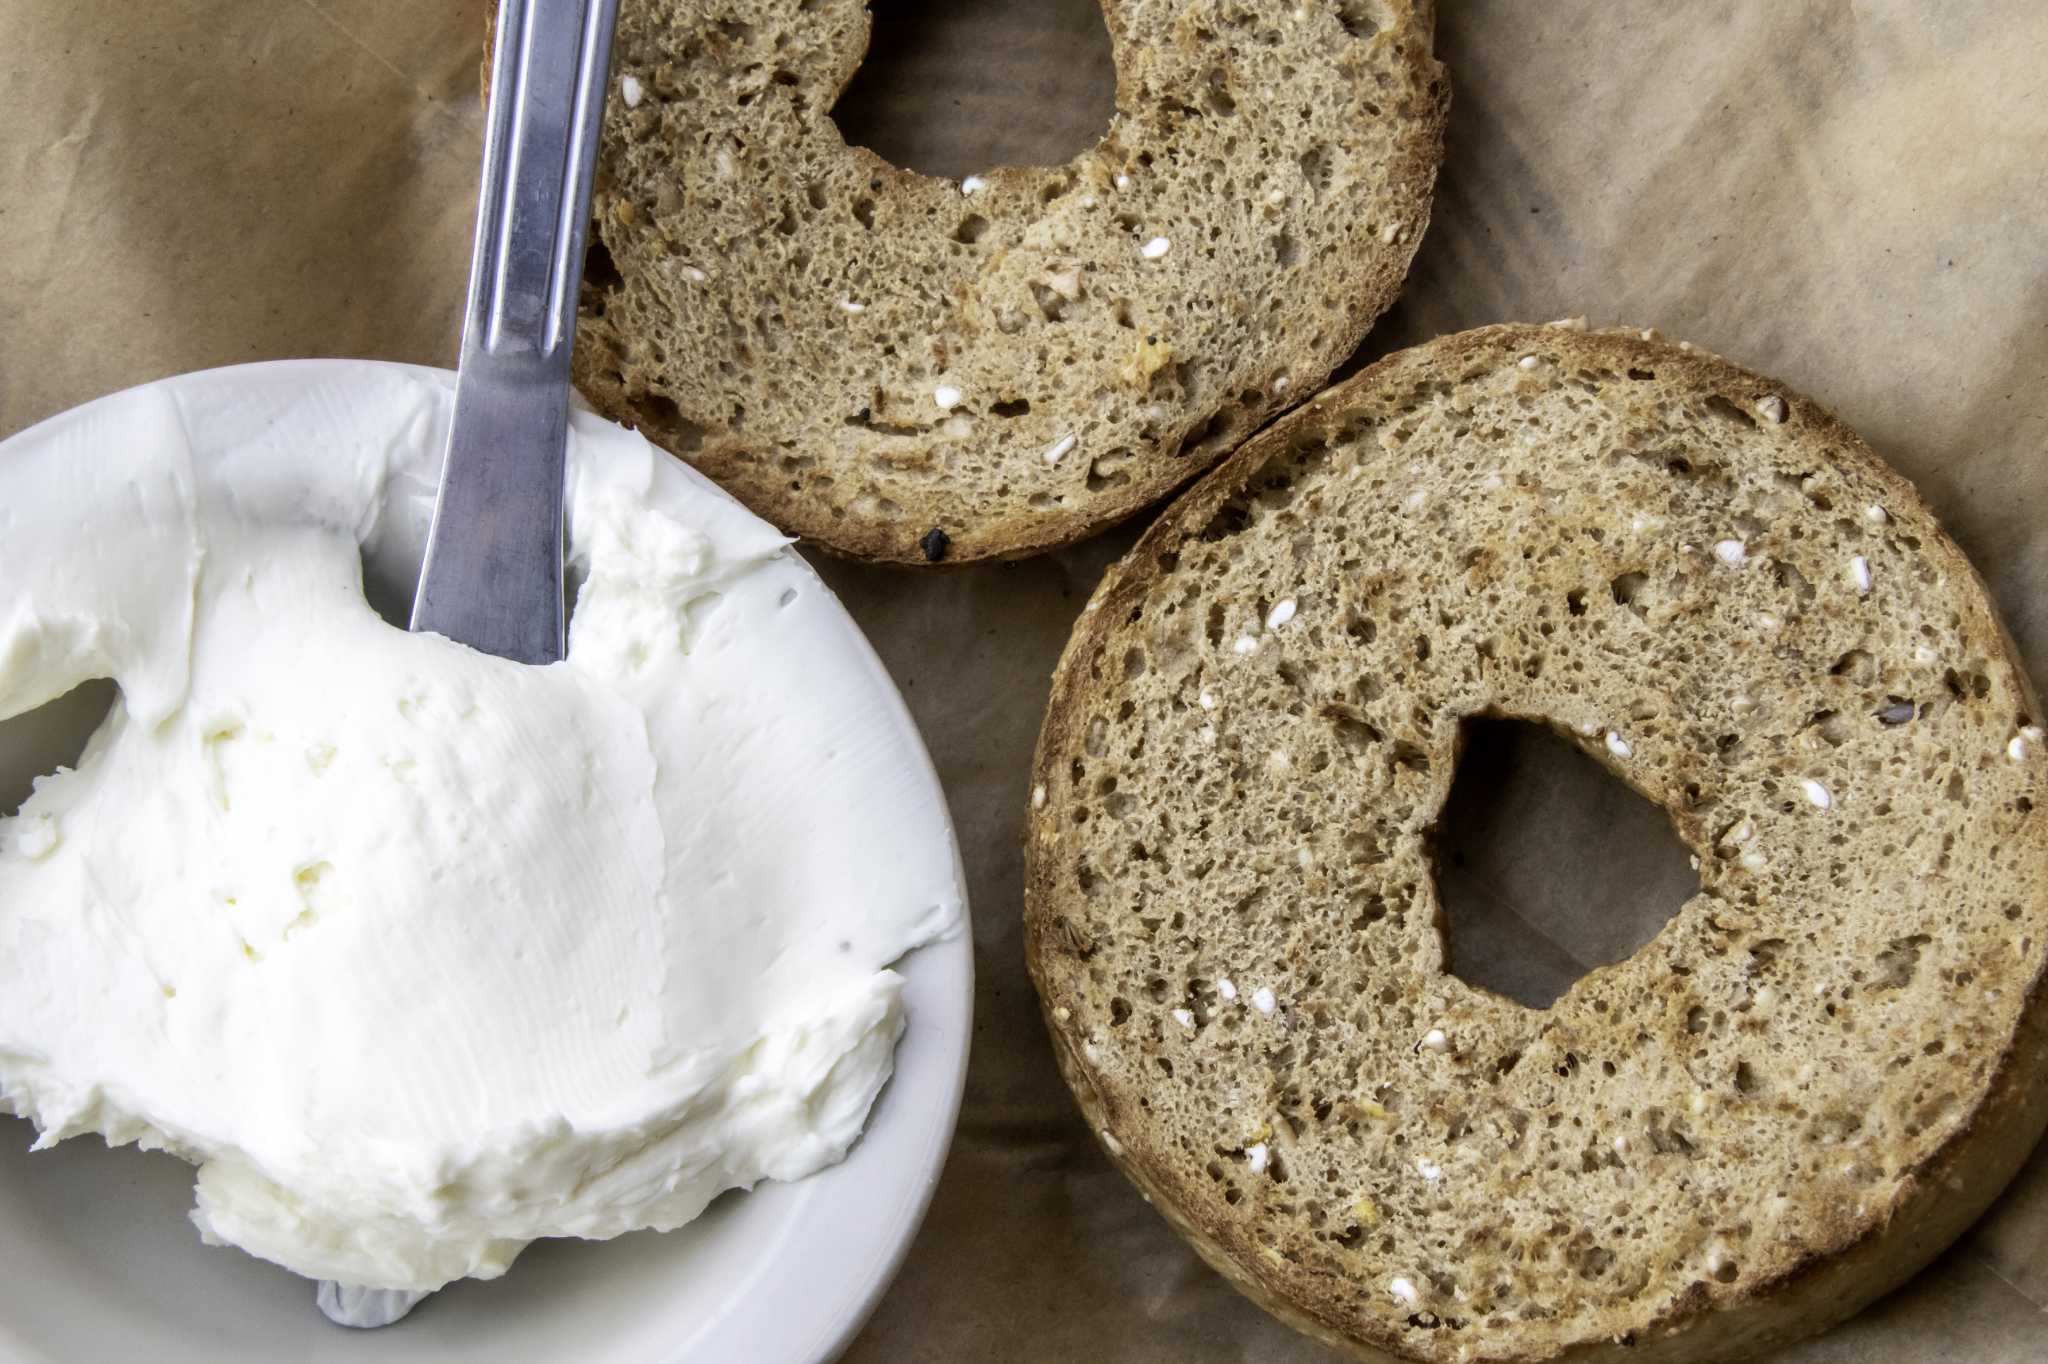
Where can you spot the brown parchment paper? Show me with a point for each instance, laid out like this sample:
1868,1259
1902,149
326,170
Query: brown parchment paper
1849,195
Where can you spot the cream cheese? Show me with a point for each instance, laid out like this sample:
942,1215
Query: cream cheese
417,953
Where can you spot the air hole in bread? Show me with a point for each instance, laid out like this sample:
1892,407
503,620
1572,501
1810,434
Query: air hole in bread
1966,686
1108,470
1315,167
1727,410
959,58
50,739
1052,304
1215,431
600,271
1518,790
1362,18
1789,579
658,413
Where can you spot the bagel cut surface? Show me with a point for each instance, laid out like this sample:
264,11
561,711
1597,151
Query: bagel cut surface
908,368
1814,1076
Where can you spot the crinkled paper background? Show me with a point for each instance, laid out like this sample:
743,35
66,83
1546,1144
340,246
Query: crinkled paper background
1848,195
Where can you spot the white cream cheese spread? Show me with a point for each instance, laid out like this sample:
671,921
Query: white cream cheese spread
417,953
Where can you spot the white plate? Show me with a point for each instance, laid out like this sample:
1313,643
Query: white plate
98,1261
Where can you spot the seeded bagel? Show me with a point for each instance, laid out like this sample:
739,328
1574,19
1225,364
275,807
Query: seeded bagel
1818,1072
907,368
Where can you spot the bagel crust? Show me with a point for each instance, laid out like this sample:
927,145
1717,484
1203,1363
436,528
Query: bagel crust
1810,1081
912,369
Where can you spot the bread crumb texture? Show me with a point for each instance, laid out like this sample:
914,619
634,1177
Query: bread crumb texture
866,355
1816,1074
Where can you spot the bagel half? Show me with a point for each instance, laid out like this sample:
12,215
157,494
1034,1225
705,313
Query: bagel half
1811,1080
906,368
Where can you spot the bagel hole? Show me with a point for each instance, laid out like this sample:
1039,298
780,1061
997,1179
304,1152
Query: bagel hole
47,740
983,63
1547,866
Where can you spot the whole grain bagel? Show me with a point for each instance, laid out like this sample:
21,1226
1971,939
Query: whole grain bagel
907,368
1818,1072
